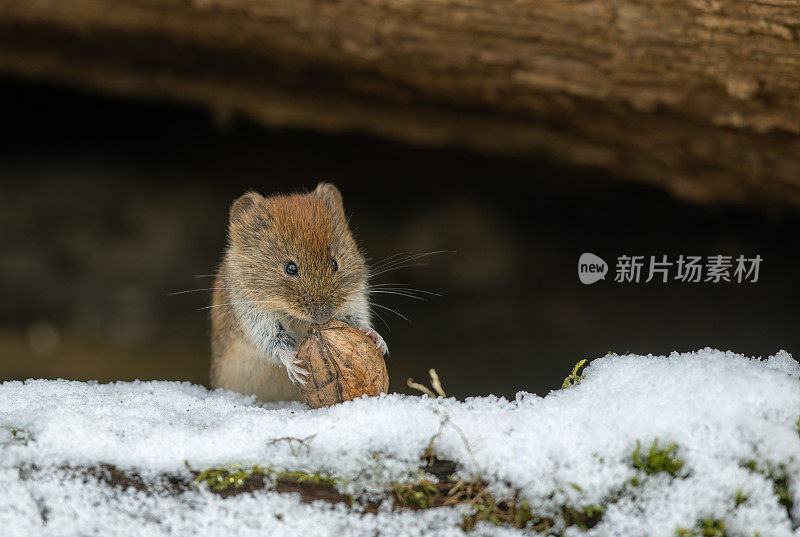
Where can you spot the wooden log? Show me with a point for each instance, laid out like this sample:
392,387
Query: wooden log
701,97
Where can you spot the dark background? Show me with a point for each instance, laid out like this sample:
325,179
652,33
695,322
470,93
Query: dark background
110,205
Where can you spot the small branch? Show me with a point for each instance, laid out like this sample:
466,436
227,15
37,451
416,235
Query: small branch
437,385
420,387
292,440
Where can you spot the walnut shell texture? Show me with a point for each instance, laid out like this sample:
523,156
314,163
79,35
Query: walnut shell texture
343,363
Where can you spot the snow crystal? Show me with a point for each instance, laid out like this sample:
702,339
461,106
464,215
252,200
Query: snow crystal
733,420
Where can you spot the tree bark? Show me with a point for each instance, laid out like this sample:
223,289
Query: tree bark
699,96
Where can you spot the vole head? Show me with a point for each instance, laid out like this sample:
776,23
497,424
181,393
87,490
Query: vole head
295,255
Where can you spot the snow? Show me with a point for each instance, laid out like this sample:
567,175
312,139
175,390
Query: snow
572,447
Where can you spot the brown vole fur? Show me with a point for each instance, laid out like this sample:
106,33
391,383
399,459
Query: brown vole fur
291,260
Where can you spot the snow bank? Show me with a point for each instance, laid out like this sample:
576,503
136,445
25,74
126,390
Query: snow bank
734,421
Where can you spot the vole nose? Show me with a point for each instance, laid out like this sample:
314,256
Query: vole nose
322,314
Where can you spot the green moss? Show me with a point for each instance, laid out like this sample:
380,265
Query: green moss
751,465
10,435
233,477
781,488
657,459
300,477
584,518
224,478
420,495
712,528
740,497
709,527
780,482
487,508
574,378
487,513
523,515
484,506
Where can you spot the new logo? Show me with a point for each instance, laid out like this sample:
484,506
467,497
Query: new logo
591,268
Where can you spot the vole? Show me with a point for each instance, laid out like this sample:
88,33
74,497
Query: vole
291,260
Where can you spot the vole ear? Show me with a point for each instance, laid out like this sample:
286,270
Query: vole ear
243,204
331,195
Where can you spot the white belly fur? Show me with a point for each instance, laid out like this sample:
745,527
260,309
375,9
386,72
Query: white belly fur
245,370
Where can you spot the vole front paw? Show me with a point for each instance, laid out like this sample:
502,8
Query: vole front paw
292,364
376,337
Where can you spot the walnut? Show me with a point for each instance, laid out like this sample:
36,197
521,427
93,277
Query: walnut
343,363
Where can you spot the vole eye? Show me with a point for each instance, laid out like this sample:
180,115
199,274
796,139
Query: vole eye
335,265
291,268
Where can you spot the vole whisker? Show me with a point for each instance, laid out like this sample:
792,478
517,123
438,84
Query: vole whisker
385,265
282,318
198,290
403,259
390,309
381,318
205,275
398,285
385,292
384,284
391,265
403,289
387,260
384,271
237,303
